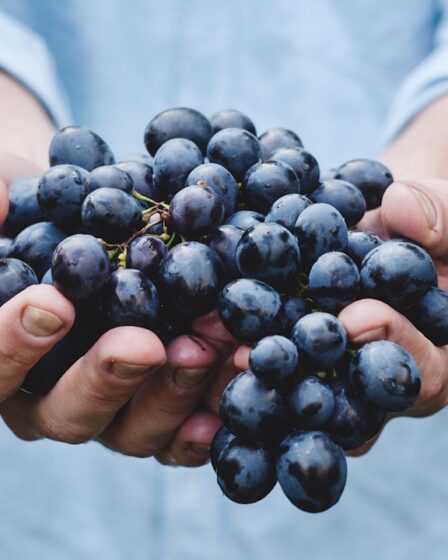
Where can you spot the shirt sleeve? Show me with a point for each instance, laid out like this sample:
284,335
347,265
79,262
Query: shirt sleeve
25,56
427,82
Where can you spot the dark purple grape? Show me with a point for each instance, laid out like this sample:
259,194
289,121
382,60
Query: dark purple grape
251,410
110,176
287,209
355,420
230,118
344,196
311,403
35,245
196,211
311,470
221,440
398,273
360,243
61,192
328,174
244,219
191,277
266,182
320,338
111,214
320,228
142,176
334,281
246,472
129,299
80,267
273,359
235,149
386,374
6,247
173,162
15,276
293,309
24,209
371,177
77,145
224,242
430,315
250,309
269,252
47,278
303,163
145,253
136,157
219,180
180,122
276,138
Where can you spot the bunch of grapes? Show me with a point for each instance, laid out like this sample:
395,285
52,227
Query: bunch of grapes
214,217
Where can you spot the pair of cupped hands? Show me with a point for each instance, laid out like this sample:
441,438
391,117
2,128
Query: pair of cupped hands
136,397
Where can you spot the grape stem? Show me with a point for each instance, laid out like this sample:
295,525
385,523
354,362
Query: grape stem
144,198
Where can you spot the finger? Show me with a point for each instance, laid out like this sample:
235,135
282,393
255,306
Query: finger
157,411
241,358
13,167
368,320
372,221
191,444
4,202
30,325
89,394
227,371
210,328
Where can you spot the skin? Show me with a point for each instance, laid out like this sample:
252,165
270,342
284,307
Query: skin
136,397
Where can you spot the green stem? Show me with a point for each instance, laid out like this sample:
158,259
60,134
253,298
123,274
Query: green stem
144,198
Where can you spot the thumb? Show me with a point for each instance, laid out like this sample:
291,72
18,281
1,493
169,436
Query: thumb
418,211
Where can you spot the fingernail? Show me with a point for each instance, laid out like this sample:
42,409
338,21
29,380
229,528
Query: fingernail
375,334
128,371
39,322
427,205
187,378
200,449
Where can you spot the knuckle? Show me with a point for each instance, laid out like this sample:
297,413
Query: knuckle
131,448
57,431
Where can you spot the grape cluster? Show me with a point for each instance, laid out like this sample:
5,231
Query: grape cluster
214,217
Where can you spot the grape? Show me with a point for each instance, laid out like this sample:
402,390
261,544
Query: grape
6,247
191,277
219,180
136,157
24,209
276,138
287,209
173,163
344,196
293,309
386,374
252,410
398,273
320,339
196,211
224,242
47,278
371,177
304,165
311,402
320,228
250,309
145,253
360,243
230,118
235,149
142,176
35,245
61,192
110,176
111,214
265,182
80,266
311,470
246,472
269,252
273,359
334,281
244,219
15,276
129,298
221,440
180,122
77,145
430,315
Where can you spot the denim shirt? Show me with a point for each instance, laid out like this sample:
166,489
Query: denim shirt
346,76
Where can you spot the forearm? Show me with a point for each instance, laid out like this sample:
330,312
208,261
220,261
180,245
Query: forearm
26,129
421,150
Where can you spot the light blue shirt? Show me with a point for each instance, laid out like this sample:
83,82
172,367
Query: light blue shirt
345,75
